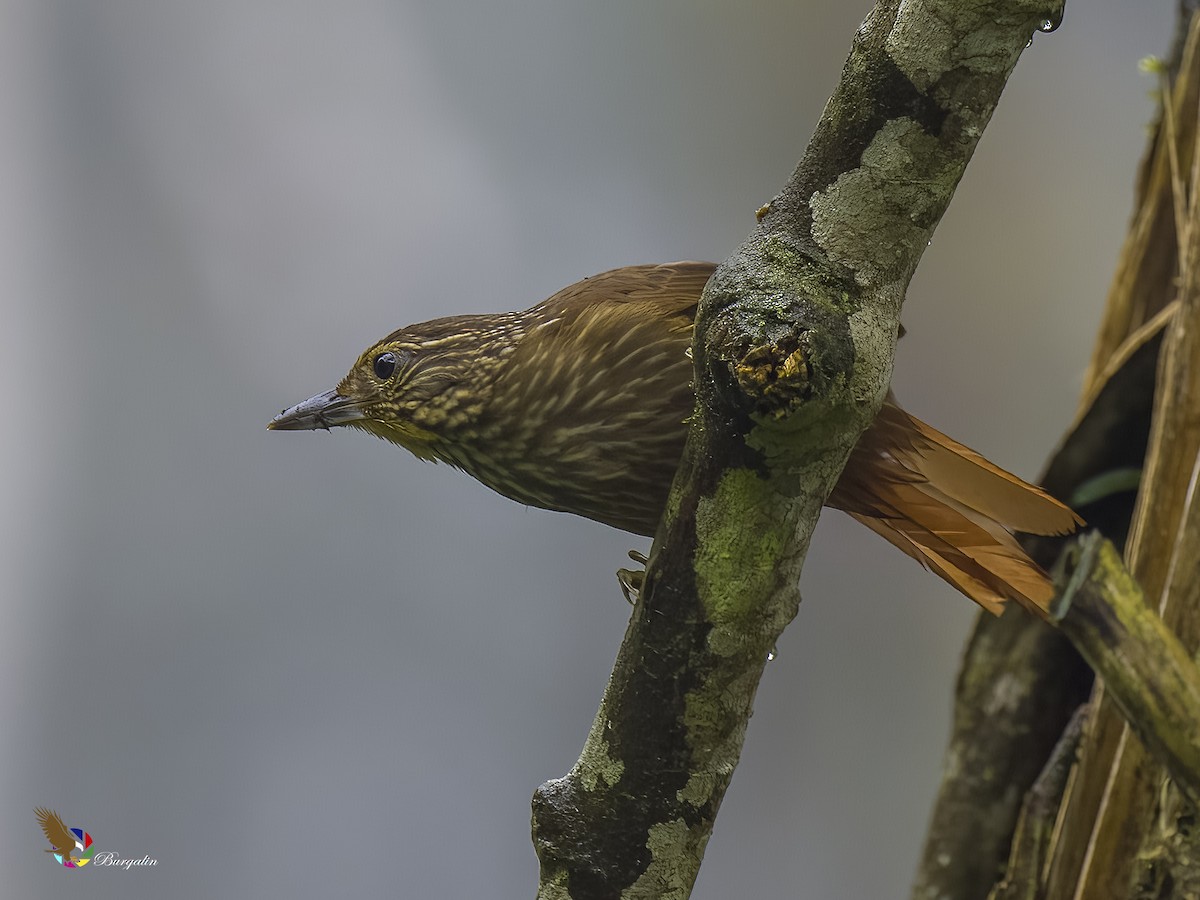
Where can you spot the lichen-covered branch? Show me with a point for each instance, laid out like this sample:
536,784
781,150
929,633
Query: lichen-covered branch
793,353
1146,670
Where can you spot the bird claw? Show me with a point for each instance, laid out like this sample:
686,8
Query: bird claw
632,580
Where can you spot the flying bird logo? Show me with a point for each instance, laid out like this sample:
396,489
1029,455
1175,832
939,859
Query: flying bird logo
65,842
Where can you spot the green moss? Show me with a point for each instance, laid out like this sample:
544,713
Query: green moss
793,275
739,545
793,443
556,888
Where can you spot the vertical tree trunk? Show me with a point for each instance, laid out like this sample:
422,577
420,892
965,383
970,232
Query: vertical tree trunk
1124,830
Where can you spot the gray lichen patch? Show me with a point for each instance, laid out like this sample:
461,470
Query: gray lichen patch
874,329
877,219
1005,695
675,849
921,46
926,46
699,788
596,767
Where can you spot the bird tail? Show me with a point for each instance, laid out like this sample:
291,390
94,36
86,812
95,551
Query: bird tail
950,509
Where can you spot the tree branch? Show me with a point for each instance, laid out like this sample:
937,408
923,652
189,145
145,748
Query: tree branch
793,351
1146,670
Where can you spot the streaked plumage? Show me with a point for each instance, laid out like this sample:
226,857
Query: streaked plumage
580,404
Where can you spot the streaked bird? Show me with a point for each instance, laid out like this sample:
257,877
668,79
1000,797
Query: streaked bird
580,404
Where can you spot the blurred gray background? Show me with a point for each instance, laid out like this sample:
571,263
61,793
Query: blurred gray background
309,665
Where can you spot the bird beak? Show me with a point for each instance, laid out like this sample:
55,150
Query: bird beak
322,411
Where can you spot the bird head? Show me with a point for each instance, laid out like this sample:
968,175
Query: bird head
421,387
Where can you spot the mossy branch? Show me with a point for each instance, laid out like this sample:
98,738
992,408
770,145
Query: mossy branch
1146,670
793,351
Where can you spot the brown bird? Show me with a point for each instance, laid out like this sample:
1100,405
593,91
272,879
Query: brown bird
61,840
580,404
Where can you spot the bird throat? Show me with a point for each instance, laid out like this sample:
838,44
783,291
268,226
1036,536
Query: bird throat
417,441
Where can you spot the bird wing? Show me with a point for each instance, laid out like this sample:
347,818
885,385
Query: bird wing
674,288
601,428
56,832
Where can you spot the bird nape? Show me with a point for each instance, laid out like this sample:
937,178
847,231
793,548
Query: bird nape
580,404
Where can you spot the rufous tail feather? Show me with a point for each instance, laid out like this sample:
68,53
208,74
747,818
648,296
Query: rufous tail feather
950,509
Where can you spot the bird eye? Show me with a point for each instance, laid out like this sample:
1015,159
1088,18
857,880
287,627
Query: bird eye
385,365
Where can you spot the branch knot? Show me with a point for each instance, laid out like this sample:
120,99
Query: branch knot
775,377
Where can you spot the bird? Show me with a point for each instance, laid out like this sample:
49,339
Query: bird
581,404
61,840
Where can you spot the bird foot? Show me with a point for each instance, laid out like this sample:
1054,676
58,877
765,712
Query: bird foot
631,580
